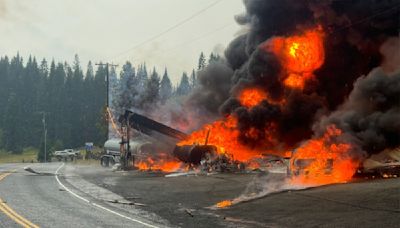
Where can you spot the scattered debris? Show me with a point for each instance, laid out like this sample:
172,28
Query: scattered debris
125,202
29,169
116,167
179,174
133,197
189,212
385,165
220,163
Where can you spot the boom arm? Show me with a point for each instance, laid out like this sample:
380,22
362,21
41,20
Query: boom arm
142,123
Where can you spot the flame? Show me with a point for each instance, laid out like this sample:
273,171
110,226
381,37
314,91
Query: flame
224,203
251,97
300,56
113,124
224,135
323,160
158,164
296,80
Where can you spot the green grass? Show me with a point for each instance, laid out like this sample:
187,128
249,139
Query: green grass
28,155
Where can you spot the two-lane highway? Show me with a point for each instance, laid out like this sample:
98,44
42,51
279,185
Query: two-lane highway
46,200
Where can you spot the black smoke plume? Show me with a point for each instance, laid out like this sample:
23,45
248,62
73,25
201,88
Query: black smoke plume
354,32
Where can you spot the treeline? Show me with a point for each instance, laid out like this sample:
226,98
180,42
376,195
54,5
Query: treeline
68,100
72,102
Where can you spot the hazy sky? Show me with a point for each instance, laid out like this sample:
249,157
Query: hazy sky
106,30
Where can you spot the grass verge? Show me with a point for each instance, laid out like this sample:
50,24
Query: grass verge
28,155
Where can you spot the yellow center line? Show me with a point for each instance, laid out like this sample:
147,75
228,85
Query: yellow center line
16,215
12,217
11,213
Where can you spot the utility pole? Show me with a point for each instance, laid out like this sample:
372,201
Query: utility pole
108,87
45,135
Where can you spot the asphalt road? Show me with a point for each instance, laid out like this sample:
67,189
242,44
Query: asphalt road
91,196
184,201
39,200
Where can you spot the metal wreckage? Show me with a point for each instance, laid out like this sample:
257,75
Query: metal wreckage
151,144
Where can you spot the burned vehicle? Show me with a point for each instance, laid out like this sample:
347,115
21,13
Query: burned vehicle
145,138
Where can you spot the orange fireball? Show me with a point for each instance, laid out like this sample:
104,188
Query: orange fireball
300,56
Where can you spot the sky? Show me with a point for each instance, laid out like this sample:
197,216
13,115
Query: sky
117,30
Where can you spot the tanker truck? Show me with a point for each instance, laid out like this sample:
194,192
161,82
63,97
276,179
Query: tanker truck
139,146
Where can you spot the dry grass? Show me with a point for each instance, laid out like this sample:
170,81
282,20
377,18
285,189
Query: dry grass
28,155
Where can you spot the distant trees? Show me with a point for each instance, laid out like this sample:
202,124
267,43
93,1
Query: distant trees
202,62
165,88
74,100
128,88
213,58
71,100
151,92
193,80
184,86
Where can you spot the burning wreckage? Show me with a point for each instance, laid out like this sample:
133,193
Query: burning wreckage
320,87
154,146
158,147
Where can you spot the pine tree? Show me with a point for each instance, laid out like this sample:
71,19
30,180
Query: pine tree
202,62
151,94
193,80
213,58
142,78
184,85
73,104
165,88
127,91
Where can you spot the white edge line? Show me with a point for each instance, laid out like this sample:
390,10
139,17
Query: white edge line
97,205
66,189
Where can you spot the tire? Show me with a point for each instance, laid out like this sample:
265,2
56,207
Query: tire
111,162
104,161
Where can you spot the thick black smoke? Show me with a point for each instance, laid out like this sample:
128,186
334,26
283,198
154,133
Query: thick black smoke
370,116
372,112
354,32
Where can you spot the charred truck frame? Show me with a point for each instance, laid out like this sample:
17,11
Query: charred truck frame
151,137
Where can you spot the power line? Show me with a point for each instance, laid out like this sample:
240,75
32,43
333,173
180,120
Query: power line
201,37
168,29
191,41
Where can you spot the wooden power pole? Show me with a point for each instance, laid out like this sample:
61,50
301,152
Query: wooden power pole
108,90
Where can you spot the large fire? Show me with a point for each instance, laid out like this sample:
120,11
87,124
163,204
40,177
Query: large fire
224,135
300,56
318,161
323,160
